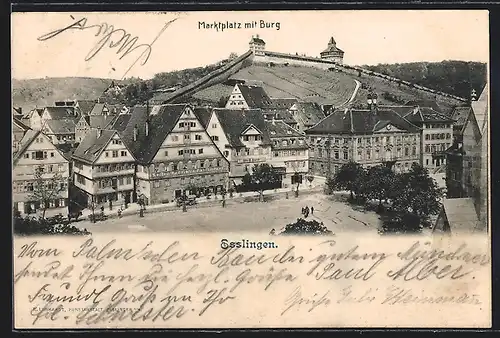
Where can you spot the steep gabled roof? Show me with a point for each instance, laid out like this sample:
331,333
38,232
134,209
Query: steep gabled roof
351,121
256,39
92,145
27,140
285,103
120,123
255,96
308,113
20,124
161,124
203,114
279,129
460,115
101,121
86,106
61,126
235,122
62,113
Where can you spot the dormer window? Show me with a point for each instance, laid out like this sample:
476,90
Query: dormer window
273,133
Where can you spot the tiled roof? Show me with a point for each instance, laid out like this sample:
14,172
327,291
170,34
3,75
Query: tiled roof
351,121
61,126
20,124
62,113
332,47
279,129
234,122
425,103
460,115
97,109
256,39
92,145
426,114
255,96
461,214
27,139
283,102
160,125
308,113
101,121
120,123
203,114
86,106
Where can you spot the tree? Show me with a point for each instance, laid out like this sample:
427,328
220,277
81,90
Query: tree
349,177
45,226
232,56
46,189
222,101
263,177
303,227
379,183
418,193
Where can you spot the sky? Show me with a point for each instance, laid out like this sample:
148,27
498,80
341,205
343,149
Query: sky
366,37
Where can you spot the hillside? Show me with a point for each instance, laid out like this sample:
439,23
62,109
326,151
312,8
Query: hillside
323,86
33,93
454,77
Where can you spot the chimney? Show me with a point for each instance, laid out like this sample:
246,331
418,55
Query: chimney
135,133
99,132
147,127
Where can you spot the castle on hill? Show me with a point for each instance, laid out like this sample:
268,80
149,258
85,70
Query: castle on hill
331,53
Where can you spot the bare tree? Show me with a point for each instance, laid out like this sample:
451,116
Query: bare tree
46,189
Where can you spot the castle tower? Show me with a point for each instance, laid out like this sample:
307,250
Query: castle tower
257,45
332,52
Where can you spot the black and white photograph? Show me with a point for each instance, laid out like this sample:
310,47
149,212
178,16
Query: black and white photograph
251,132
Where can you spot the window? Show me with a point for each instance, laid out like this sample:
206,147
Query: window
197,137
166,153
202,164
117,142
129,180
51,154
360,155
214,125
368,155
448,136
215,138
181,152
427,148
200,151
336,155
123,153
181,125
38,155
276,154
106,154
174,167
226,153
27,155
427,162
120,181
156,184
175,138
186,136
414,151
245,138
377,154
407,152
29,187
115,153
285,143
346,155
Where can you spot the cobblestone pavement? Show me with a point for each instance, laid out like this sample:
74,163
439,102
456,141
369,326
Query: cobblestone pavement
245,216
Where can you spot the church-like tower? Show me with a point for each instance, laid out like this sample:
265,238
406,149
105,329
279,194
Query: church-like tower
332,52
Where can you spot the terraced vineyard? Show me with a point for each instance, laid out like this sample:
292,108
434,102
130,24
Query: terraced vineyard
308,84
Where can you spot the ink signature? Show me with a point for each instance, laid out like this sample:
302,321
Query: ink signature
113,38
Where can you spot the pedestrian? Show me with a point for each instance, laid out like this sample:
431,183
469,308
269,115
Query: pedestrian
312,210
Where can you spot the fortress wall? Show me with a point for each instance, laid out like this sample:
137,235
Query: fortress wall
278,58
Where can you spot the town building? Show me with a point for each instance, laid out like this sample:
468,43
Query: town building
248,97
60,131
36,151
289,152
174,153
86,123
257,45
463,157
243,138
367,136
19,129
436,133
104,167
332,52
306,114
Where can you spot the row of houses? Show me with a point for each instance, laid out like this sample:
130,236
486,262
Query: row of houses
157,153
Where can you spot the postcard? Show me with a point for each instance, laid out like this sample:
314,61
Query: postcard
277,169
